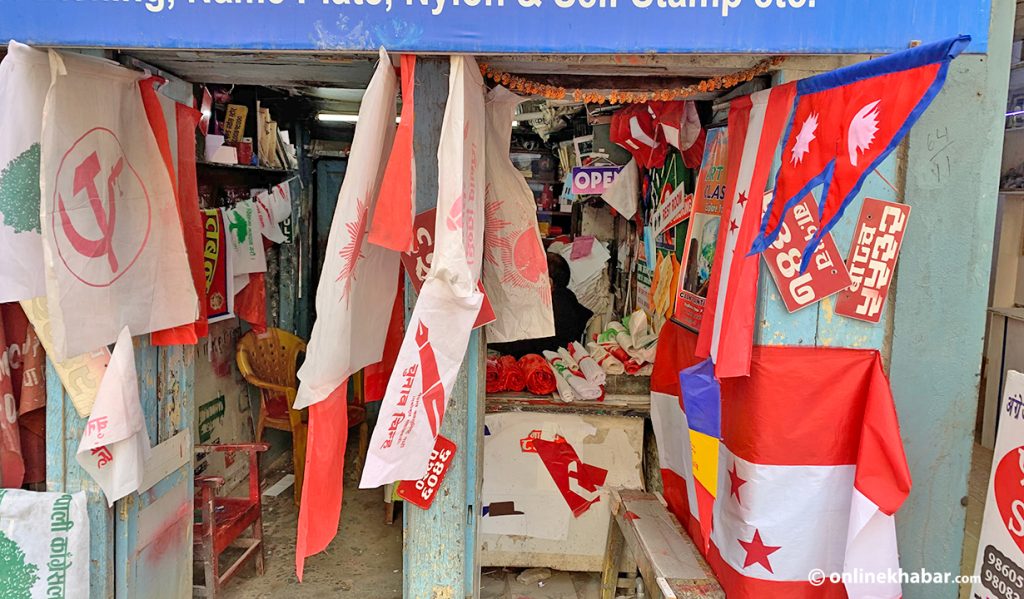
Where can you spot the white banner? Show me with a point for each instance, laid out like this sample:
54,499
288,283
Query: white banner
515,265
1000,561
359,280
112,241
24,79
44,544
438,335
115,445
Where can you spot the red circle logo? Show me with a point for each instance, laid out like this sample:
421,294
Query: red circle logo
98,225
1008,487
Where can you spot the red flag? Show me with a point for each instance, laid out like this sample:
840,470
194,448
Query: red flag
376,376
635,129
392,220
845,123
727,329
187,193
323,487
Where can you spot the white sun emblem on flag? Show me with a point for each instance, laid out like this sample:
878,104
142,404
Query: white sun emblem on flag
862,131
804,138
352,251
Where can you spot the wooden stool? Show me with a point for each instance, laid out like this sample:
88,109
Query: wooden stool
666,557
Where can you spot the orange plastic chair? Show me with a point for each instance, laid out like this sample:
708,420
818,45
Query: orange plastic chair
269,362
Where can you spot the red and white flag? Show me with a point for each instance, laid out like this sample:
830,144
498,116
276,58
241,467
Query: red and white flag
113,246
357,283
353,304
515,269
115,445
438,334
727,329
810,482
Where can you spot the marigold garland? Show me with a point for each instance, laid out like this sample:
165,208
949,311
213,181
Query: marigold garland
523,85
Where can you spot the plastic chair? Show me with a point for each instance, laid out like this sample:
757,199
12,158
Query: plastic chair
222,520
268,361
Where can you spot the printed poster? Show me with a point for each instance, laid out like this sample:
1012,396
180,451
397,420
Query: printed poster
216,268
999,566
702,234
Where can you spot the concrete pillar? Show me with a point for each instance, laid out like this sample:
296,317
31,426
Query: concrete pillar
941,293
441,549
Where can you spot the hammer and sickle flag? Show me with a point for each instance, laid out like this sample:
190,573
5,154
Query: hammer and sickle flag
113,250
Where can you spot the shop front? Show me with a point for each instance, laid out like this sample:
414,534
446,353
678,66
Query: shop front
579,327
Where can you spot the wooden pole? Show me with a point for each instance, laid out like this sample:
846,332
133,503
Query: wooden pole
441,550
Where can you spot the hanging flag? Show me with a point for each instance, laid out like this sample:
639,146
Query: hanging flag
680,124
356,290
634,128
178,150
115,445
242,227
449,302
114,250
392,221
702,404
727,328
624,191
27,361
354,303
24,80
515,270
12,464
671,428
795,474
220,298
845,124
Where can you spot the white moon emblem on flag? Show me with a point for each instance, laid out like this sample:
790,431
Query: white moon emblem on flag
862,130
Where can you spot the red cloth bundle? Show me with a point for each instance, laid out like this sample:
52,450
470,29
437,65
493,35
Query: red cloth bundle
537,374
510,375
494,382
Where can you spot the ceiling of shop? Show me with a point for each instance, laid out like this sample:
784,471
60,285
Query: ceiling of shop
336,80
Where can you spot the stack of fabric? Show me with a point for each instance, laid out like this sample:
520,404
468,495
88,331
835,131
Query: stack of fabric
626,347
531,372
577,374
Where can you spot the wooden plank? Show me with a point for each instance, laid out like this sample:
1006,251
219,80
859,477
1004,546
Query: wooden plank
440,544
64,428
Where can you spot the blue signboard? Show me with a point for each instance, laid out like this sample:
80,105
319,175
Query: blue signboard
564,26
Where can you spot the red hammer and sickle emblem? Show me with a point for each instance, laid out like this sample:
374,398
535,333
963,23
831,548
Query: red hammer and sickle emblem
85,180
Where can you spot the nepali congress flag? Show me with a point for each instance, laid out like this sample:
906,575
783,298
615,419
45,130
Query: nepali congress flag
810,468
845,124
354,304
727,329
702,403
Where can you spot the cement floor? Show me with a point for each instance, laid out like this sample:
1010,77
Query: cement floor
363,562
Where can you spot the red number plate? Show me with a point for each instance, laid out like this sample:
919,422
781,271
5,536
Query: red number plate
826,273
421,492
877,240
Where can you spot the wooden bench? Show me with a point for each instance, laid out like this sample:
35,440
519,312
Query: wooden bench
668,561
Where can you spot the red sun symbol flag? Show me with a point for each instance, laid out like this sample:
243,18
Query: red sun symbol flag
352,251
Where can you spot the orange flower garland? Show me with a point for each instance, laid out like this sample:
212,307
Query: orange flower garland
523,85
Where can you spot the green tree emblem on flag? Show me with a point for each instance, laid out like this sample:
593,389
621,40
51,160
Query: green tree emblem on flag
19,192
16,577
239,225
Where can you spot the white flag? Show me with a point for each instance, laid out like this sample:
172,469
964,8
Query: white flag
244,229
359,279
24,79
515,265
112,241
115,445
437,337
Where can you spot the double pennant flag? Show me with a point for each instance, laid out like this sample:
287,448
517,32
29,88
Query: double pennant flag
845,124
